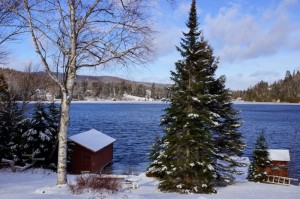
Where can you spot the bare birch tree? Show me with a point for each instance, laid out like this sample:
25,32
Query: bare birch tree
72,34
8,29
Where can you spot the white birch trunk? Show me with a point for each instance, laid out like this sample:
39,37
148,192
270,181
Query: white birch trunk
62,141
63,129
67,94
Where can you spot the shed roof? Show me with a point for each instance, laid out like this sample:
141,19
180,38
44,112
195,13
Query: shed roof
279,154
93,140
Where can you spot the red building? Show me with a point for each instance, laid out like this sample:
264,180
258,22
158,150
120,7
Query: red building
279,162
91,152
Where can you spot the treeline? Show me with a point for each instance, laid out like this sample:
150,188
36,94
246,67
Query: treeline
284,90
25,86
36,86
31,85
95,90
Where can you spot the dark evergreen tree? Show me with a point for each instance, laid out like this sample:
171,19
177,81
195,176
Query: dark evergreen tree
4,92
11,124
227,138
200,123
39,137
53,123
186,162
154,168
260,160
153,91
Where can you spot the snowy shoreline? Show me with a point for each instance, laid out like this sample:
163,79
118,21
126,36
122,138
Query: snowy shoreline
105,102
264,103
40,183
163,102
118,102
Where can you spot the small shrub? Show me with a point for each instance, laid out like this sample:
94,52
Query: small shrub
95,183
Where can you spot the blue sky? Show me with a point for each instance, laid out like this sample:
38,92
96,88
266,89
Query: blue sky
254,39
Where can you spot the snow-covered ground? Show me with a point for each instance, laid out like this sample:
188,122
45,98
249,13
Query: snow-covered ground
39,183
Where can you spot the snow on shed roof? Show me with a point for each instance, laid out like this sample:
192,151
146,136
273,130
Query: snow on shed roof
92,139
279,154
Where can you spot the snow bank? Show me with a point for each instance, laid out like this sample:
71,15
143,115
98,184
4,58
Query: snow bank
39,183
136,98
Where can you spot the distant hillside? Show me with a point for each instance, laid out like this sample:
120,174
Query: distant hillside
104,79
34,85
108,79
283,90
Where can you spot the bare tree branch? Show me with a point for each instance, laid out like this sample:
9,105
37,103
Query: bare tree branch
8,28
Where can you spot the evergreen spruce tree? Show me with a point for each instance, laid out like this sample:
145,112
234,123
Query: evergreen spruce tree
200,124
4,134
11,127
260,160
227,138
186,162
39,137
53,123
154,168
4,92
11,124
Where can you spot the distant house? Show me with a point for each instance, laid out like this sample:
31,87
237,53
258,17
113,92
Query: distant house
91,152
279,162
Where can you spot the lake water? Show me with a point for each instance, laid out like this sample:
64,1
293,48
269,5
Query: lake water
135,125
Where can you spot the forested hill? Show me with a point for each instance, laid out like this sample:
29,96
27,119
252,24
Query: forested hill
284,90
32,85
37,85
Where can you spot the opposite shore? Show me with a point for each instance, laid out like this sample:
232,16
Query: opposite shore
159,102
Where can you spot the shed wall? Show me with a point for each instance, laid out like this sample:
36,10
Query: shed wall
80,159
86,160
278,168
101,158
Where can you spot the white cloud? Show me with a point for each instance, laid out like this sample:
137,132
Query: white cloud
166,39
183,9
238,34
169,27
264,74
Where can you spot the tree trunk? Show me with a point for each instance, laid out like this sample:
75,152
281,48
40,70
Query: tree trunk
64,124
189,109
62,140
67,93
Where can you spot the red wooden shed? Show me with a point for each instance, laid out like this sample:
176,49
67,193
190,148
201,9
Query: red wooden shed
91,152
279,162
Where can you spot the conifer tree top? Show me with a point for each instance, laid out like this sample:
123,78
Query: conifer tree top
192,23
192,36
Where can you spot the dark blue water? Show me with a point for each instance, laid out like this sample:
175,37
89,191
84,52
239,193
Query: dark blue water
136,125
281,124
133,125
